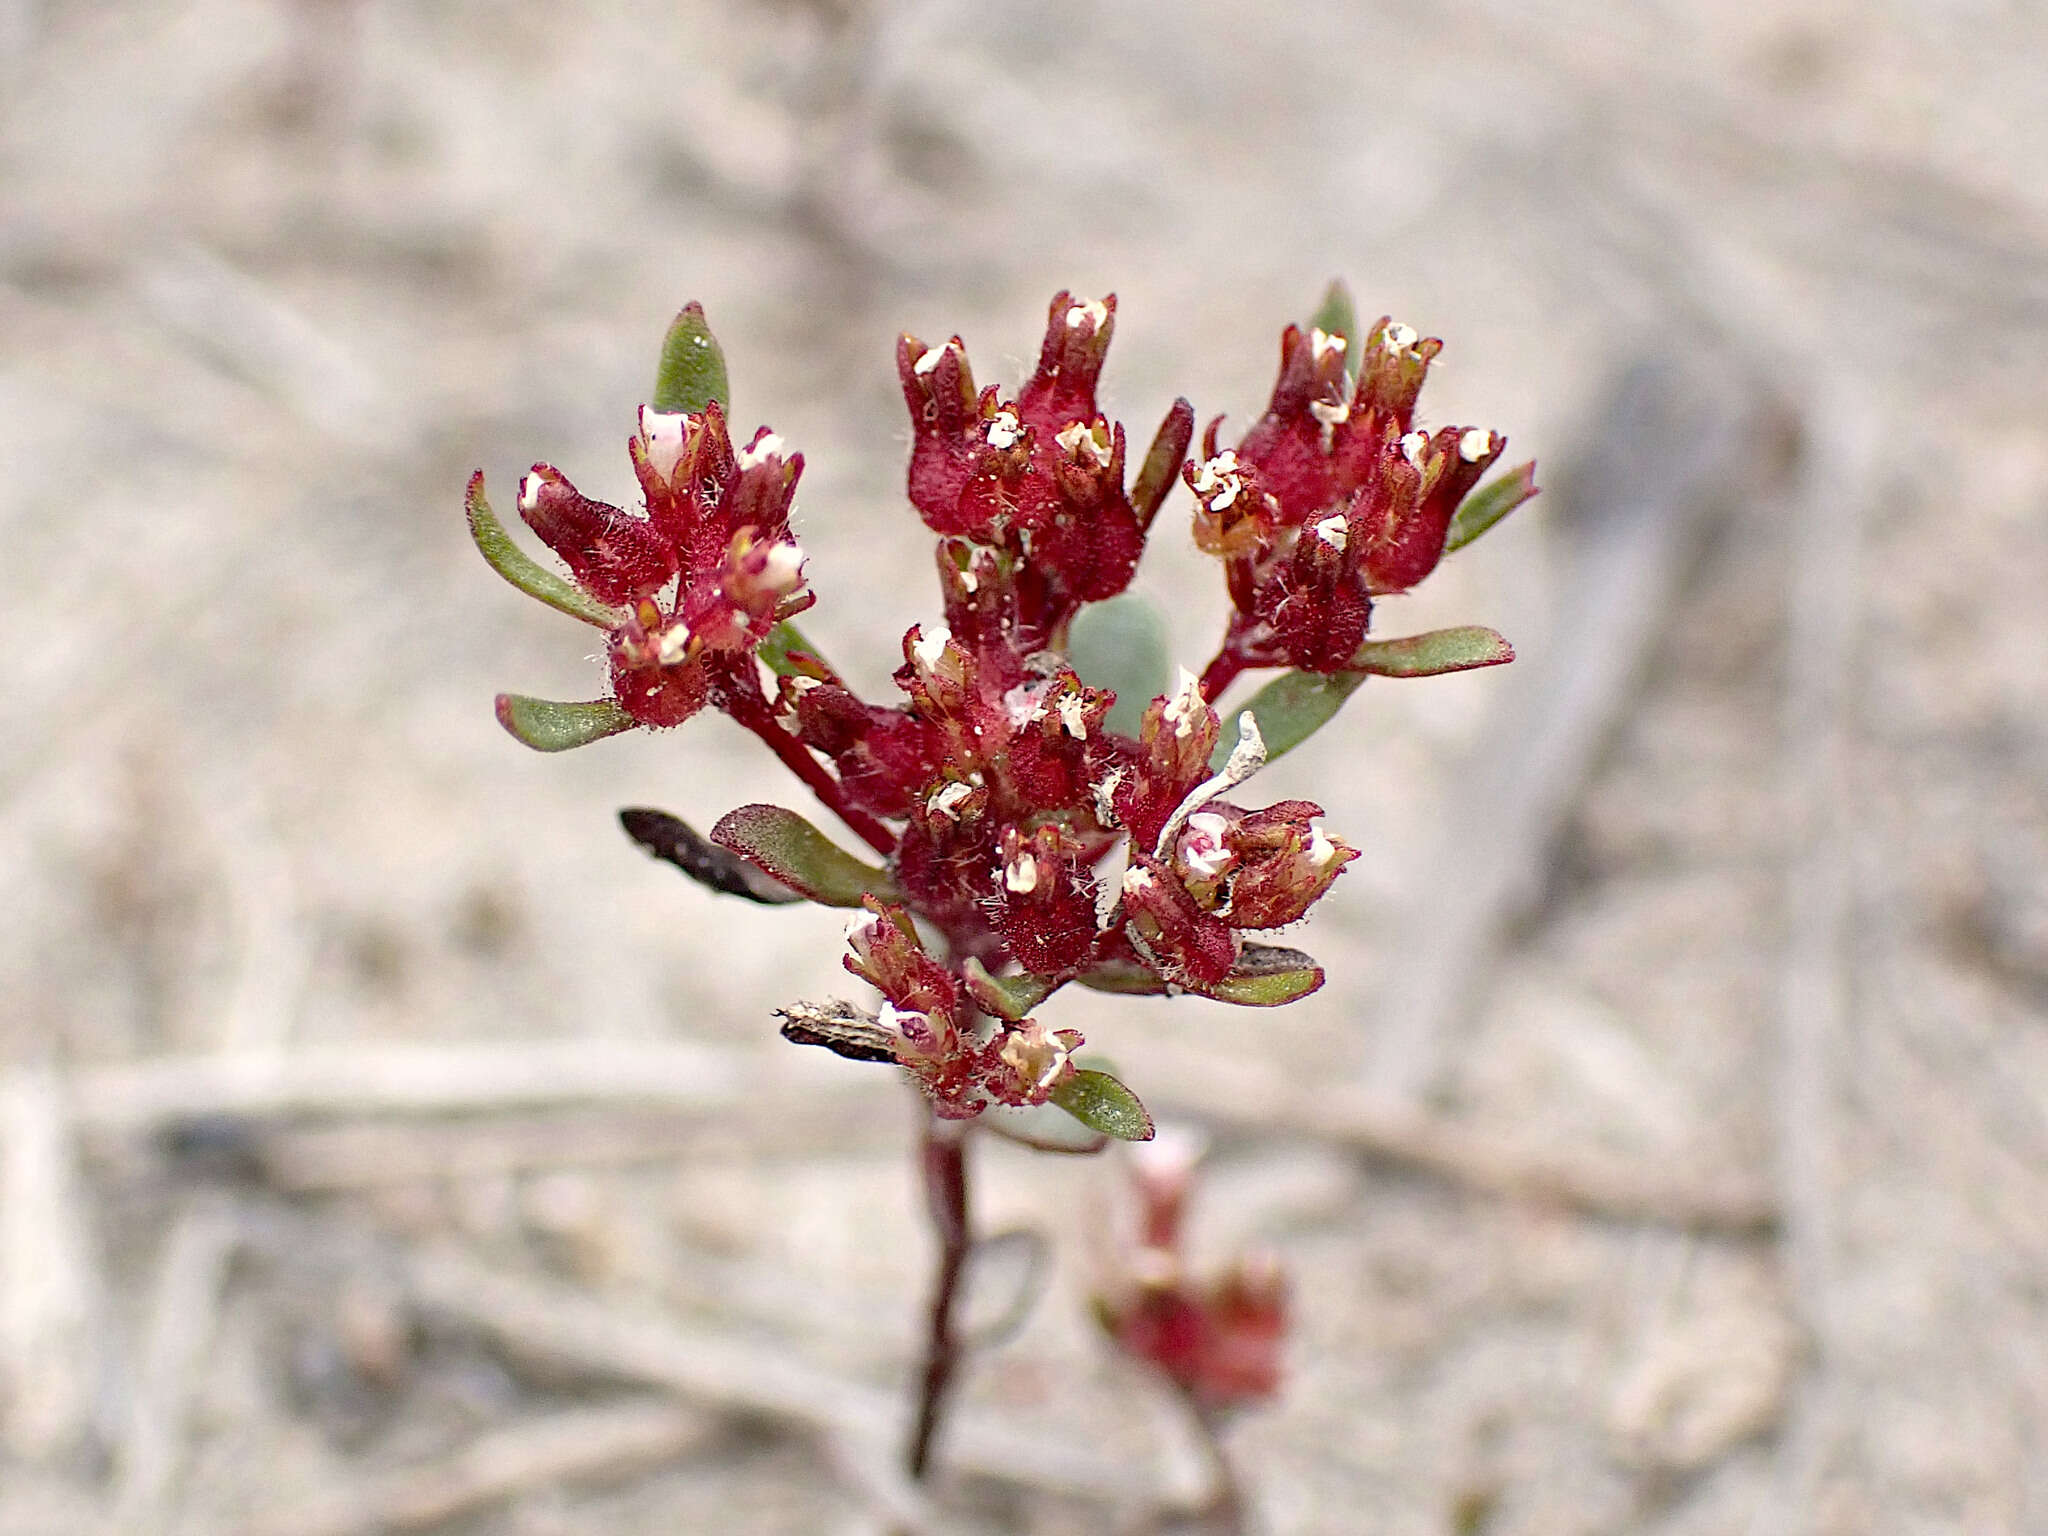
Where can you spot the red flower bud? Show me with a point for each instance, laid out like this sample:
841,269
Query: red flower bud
1045,902
1170,932
613,556
1277,863
1077,334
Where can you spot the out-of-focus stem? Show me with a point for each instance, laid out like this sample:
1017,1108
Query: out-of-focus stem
943,1159
1225,1514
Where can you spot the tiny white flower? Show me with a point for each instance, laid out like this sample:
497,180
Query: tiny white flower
1034,1055
1475,445
1073,716
1083,312
782,571
673,646
1332,531
1021,874
1078,438
1004,430
947,799
1202,846
1137,879
529,492
1026,702
1331,413
1321,851
928,647
1105,797
661,438
1413,446
760,453
925,364
1186,705
1218,482
1398,337
1321,344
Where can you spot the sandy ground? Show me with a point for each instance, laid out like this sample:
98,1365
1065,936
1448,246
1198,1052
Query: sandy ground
1758,915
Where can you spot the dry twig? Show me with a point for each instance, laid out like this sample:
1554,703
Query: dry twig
1666,453
577,1444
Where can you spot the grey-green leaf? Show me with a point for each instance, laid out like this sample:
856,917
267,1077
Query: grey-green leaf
1103,1104
525,573
1121,644
788,848
692,371
1292,708
547,725
1491,502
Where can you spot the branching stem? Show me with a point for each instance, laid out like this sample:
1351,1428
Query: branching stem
753,715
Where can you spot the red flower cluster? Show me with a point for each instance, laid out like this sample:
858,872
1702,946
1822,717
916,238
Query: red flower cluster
1219,1341
1038,480
1031,844
1333,497
702,578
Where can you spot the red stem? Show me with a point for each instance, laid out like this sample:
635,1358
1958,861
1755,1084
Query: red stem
943,1159
796,757
1221,672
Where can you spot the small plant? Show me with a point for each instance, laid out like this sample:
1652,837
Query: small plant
1031,821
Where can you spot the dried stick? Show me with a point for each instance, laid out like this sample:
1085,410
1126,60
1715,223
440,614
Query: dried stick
182,1317
50,1294
538,1078
1243,1097
579,1443
1666,451
559,1327
1823,617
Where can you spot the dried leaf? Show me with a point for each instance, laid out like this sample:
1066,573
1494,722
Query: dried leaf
675,841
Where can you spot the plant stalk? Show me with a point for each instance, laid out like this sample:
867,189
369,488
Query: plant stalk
943,1159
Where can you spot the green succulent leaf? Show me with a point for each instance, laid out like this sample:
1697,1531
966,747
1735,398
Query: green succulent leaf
1103,1104
1267,976
1121,644
692,371
1435,653
1004,997
1295,705
784,846
523,571
547,725
1338,316
1490,503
